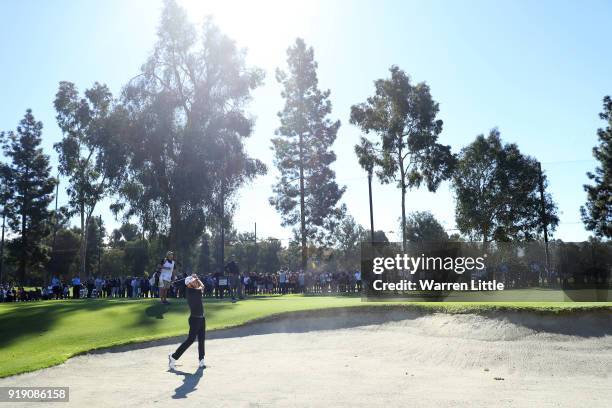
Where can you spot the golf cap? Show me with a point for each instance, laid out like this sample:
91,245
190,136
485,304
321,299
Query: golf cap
188,280
169,253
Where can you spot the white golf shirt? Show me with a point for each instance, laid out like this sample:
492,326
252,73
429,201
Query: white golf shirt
166,271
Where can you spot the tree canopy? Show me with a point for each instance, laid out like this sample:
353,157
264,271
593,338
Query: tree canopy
306,193
405,118
497,192
27,177
91,152
188,120
597,212
422,226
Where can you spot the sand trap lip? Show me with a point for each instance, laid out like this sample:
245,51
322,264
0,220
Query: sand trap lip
484,325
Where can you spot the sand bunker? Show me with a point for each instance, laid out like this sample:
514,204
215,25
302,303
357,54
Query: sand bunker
366,358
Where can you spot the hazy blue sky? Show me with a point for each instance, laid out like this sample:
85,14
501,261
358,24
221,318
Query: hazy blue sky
536,70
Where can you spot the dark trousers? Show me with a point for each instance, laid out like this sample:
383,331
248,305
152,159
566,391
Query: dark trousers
76,292
197,328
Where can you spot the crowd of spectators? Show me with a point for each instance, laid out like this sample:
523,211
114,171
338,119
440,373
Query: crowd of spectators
11,293
128,287
231,283
288,282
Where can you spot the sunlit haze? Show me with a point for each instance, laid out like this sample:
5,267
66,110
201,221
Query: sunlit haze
485,63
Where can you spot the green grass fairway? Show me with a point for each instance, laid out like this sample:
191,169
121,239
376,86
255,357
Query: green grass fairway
41,334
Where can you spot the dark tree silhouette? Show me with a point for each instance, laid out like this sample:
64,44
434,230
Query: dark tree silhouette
91,152
497,192
597,212
306,193
27,178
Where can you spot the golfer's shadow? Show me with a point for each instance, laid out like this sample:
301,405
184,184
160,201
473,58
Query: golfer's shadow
190,382
157,311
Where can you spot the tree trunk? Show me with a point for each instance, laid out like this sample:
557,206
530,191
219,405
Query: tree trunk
83,242
403,182
49,273
543,220
403,217
485,245
2,244
87,218
174,226
100,247
371,208
24,232
24,246
222,248
302,208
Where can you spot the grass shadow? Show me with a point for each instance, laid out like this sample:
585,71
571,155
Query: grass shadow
157,310
37,318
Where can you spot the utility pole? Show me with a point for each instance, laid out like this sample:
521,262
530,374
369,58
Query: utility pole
371,207
543,219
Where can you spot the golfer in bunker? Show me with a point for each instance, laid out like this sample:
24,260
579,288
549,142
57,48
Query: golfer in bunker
197,323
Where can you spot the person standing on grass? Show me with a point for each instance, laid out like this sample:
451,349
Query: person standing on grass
233,272
98,283
114,288
218,290
179,287
197,322
301,282
134,284
166,275
154,282
76,287
144,285
90,286
282,280
56,285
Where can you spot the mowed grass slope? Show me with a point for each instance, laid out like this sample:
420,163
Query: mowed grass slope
41,334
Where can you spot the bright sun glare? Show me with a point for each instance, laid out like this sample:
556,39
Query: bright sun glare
263,27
